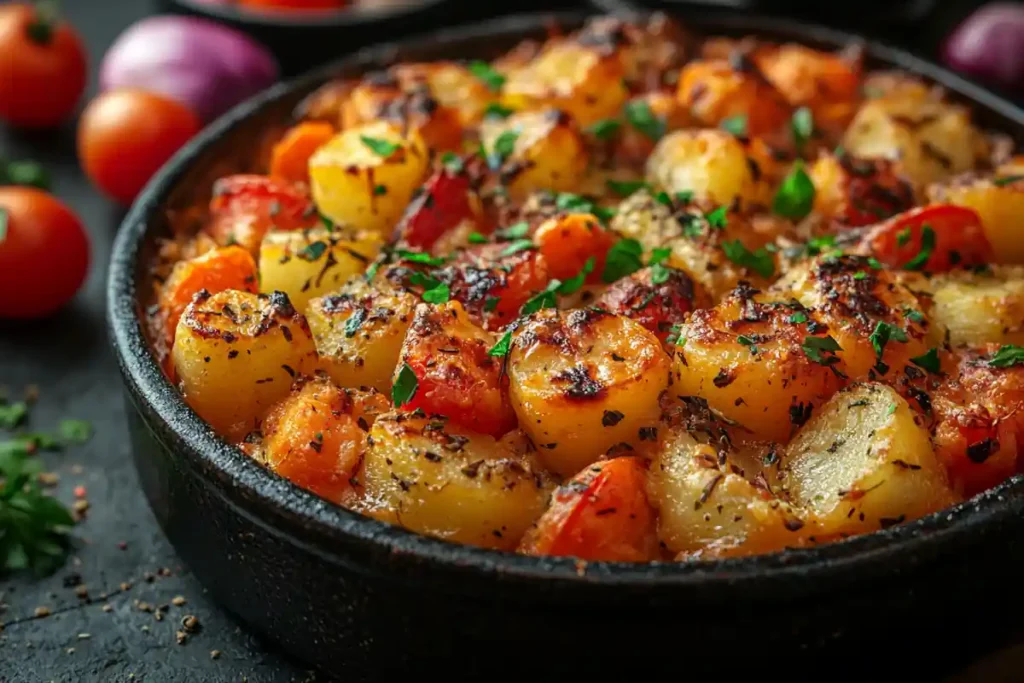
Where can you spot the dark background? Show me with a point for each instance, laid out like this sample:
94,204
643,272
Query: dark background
105,633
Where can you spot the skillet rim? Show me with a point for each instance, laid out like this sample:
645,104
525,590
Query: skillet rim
330,531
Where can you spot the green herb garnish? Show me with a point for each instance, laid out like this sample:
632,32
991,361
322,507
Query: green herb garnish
382,148
640,116
795,197
404,387
437,295
927,247
760,261
503,346
625,188
1007,356
802,125
929,361
623,259
736,125
573,284
814,347
487,75
605,129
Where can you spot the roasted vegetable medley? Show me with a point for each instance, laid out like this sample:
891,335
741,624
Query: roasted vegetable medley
624,294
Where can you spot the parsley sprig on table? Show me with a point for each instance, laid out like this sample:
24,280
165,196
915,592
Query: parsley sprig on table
33,524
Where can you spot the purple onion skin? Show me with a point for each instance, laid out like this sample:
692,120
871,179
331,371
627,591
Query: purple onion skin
202,64
989,45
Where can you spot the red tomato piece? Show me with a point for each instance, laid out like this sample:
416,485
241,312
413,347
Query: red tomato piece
931,238
568,242
44,253
657,298
245,207
602,514
873,191
445,200
494,287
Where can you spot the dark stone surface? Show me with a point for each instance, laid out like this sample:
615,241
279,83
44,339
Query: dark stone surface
69,358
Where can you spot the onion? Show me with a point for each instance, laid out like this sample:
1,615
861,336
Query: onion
989,45
204,65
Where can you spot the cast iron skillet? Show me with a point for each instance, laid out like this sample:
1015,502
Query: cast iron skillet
367,600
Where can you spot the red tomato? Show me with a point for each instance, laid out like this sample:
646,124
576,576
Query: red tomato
602,514
44,253
445,201
657,299
931,238
125,136
569,241
42,68
245,207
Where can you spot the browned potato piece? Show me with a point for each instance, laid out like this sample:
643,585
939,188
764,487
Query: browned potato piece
359,333
584,382
707,510
711,164
544,151
863,463
999,201
713,91
581,80
451,483
236,354
868,311
747,358
980,307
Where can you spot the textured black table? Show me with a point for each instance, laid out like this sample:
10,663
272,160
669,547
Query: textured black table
129,572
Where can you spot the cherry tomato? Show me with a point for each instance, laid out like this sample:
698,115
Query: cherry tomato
931,238
44,253
445,201
125,136
602,514
42,68
244,207
660,299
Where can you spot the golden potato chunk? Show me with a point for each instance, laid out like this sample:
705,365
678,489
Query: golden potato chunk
707,510
581,80
359,333
714,91
236,354
709,163
981,307
309,263
999,202
365,176
452,483
748,358
584,382
864,463
537,150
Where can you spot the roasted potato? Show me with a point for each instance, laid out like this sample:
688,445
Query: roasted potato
359,333
308,263
999,201
365,176
713,91
710,164
583,383
980,307
858,192
863,463
237,353
452,483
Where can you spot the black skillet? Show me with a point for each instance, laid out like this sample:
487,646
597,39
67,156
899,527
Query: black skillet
369,601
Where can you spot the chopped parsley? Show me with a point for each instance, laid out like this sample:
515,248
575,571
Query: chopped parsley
605,129
420,257
718,218
452,161
760,261
75,431
736,125
503,147
795,197
1007,180
312,251
382,148
497,111
860,275
1007,356
503,345
514,232
928,361
380,190
573,284
684,197
623,259
798,317
927,247
640,116
437,295
404,387
815,347
517,246
913,315
802,125
881,336
659,271
491,303
902,237
476,238
544,299
487,75
354,322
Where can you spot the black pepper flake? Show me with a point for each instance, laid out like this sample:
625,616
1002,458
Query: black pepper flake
648,433
611,418
606,511
287,368
980,452
472,469
709,488
724,378
793,524
363,424
233,353
800,413
903,464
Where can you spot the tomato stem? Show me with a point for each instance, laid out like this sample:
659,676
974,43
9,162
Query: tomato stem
40,30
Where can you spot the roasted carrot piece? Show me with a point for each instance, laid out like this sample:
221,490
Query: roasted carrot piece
602,514
289,159
215,271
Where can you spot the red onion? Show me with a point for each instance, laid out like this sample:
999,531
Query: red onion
989,45
202,64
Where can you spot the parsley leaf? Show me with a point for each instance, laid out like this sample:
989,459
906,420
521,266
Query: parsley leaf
760,261
624,188
1007,180
814,347
503,345
487,75
684,197
75,431
437,295
798,317
544,299
927,247
382,148
929,361
404,387
659,271
640,116
517,246
312,251
903,236
802,125
605,129
882,334
514,231
573,284
476,238
796,195
736,125
354,322
623,259
491,303
1007,356
420,257
452,161
497,111
12,415
504,145
717,219
913,315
